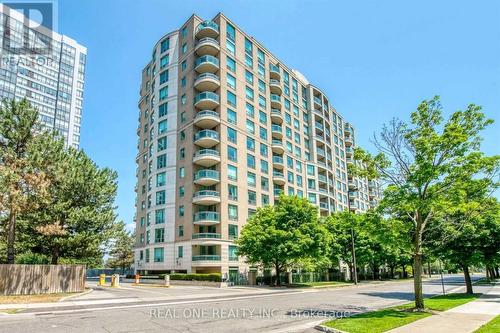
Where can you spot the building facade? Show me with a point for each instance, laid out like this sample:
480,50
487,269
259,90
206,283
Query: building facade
46,68
226,127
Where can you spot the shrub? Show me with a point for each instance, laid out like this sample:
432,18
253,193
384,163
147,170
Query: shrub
30,258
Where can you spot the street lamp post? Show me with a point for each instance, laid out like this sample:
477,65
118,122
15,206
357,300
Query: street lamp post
355,273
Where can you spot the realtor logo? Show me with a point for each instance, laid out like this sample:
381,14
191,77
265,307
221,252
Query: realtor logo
31,32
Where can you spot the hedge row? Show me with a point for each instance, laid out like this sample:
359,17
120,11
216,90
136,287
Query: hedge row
213,277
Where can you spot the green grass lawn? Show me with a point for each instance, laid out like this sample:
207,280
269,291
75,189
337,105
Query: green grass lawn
323,284
386,319
492,326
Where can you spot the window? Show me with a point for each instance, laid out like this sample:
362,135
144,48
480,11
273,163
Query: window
232,154
252,197
250,144
248,46
264,183
162,110
250,110
160,197
158,254
161,161
249,77
263,133
262,101
159,235
147,255
310,170
233,231
230,32
180,251
250,126
164,77
263,150
262,86
148,237
231,64
232,172
233,212
180,231
182,153
249,93
160,179
264,198
262,117
183,65
184,48
230,47
181,191
162,143
160,216
251,179
231,116
264,166
231,134
248,61
165,45
163,93
231,81
164,61
250,161
232,191
182,172
231,99
162,127
233,250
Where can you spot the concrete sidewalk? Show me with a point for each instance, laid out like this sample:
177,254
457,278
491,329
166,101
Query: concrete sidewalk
462,319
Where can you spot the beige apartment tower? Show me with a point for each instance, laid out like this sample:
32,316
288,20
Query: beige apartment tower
224,128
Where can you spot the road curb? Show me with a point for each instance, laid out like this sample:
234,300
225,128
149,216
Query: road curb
323,328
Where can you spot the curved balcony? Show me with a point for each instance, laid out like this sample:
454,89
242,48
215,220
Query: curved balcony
348,131
277,147
207,119
322,178
207,29
277,192
275,87
348,141
206,197
206,100
349,160
279,177
206,46
317,102
207,82
323,206
276,101
206,235
276,131
207,177
201,258
206,64
274,72
206,138
206,218
276,116
206,157
352,185
278,162
349,151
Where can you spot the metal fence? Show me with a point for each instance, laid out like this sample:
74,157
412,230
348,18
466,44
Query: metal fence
41,279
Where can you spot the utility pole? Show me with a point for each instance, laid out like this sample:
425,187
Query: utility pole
354,258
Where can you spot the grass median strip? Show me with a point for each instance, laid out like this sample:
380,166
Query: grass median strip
493,326
324,284
387,319
42,298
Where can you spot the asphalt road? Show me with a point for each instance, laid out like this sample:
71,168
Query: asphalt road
242,310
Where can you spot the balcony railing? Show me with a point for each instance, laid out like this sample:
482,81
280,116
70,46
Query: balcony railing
206,152
206,59
213,174
206,216
207,24
206,235
206,193
206,95
278,159
206,258
206,134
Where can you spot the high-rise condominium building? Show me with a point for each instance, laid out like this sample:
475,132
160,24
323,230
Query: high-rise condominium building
44,67
225,127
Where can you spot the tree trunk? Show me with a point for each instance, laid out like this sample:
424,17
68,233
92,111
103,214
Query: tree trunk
55,255
11,238
429,268
497,273
392,271
468,281
417,264
405,275
278,282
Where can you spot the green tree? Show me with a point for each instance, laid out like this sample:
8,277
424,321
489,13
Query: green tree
122,250
78,219
26,156
420,161
279,236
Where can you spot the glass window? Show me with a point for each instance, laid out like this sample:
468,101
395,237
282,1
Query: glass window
230,32
250,110
251,179
231,116
231,64
249,93
180,231
182,172
250,126
162,126
262,86
250,144
248,46
164,61
159,235
232,192
252,197
231,81
232,212
230,47
161,161
264,166
160,216
164,76
160,179
264,198
231,134
231,98
180,251
232,154
251,161
233,231
262,101
249,77
262,117
263,133
158,254
232,172
165,44
264,183
163,93
248,61
263,150
162,110
160,197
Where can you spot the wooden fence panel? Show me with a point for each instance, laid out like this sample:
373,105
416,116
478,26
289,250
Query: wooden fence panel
41,279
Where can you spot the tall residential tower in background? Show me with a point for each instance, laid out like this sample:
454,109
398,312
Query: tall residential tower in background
226,127
44,67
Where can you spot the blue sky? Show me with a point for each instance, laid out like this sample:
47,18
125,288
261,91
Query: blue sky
375,60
